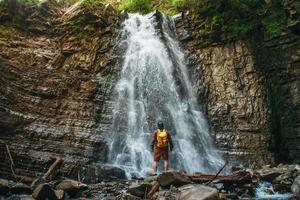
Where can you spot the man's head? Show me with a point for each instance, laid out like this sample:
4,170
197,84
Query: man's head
160,125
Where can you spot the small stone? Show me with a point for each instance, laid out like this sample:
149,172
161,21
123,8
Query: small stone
60,194
173,189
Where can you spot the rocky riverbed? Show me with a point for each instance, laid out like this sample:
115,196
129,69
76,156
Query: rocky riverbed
240,184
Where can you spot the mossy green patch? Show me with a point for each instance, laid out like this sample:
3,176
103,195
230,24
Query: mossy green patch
140,6
237,19
5,31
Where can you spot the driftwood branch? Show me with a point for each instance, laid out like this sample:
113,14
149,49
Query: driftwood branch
12,164
235,177
217,173
154,188
53,168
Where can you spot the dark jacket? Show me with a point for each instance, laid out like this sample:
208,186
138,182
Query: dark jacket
154,141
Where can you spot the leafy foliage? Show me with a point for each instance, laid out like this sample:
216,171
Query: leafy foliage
141,6
92,2
225,19
5,31
235,19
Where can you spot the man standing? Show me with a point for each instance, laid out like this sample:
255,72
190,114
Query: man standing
160,146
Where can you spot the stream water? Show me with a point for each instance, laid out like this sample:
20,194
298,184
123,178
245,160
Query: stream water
265,191
154,85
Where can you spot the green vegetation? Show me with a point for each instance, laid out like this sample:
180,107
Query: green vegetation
140,6
224,19
235,19
5,31
92,2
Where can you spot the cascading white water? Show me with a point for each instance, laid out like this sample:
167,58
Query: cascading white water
154,85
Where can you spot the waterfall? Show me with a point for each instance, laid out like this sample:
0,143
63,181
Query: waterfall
154,85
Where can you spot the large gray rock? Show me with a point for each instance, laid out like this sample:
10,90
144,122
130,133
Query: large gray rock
139,189
71,187
98,173
20,188
43,192
197,192
283,182
173,178
4,186
269,174
296,186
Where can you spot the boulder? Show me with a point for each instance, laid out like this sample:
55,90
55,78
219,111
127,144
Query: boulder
139,189
71,187
164,195
4,186
44,191
60,194
150,179
269,176
283,182
20,188
296,186
97,173
197,192
173,178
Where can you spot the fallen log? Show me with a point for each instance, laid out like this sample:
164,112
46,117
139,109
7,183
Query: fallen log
233,178
53,168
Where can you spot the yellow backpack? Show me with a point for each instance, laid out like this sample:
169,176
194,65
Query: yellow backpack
162,138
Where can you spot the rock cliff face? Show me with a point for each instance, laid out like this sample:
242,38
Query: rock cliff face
232,89
57,76
249,90
58,68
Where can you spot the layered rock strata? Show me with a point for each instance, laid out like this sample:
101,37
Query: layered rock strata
249,90
57,78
